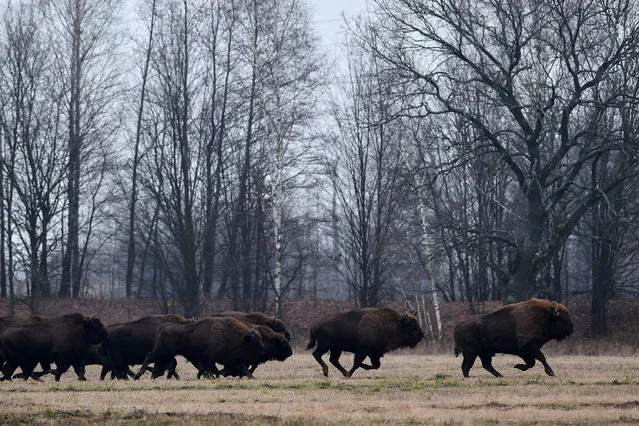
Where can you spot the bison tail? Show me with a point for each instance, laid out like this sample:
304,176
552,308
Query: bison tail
457,350
311,341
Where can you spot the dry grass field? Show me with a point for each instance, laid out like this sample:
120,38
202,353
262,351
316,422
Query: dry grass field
409,389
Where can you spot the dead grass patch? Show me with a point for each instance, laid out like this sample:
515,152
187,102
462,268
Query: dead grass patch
408,389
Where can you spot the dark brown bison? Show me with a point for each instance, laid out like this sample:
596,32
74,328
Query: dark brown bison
366,332
129,343
87,356
57,339
519,329
276,348
15,321
221,340
258,318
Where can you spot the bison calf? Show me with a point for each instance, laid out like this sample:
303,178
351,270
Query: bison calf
365,332
519,329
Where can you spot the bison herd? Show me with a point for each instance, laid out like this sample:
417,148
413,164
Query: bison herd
236,343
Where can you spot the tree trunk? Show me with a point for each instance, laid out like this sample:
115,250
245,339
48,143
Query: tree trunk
70,281
3,240
130,258
521,283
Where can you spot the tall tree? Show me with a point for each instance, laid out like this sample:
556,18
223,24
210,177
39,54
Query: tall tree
365,173
538,67
130,258
85,38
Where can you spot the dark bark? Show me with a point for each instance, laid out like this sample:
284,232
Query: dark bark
130,262
70,280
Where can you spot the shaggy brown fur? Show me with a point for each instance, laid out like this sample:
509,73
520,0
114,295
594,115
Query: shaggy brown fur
519,329
366,332
57,339
221,340
276,348
258,318
129,343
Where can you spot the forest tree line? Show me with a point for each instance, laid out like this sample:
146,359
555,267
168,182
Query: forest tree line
195,149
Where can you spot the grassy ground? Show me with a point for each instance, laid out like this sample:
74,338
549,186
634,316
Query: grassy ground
408,389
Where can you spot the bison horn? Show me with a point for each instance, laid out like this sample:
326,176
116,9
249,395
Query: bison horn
93,316
556,311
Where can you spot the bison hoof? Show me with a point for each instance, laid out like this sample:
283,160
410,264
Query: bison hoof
550,372
82,379
325,371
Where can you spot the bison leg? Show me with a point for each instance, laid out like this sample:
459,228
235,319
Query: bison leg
334,359
374,361
80,371
536,353
8,369
150,357
317,354
27,369
243,371
467,364
172,367
529,363
487,363
104,372
357,362
61,368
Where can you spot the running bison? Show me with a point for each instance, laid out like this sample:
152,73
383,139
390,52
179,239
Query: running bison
258,318
519,329
276,348
221,340
366,332
129,343
57,339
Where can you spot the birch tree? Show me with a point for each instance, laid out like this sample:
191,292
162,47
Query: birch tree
288,81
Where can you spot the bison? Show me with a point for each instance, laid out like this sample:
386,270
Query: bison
258,318
222,340
519,329
276,348
129,343
366,332
57,339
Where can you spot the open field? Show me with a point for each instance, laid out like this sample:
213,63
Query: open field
408,389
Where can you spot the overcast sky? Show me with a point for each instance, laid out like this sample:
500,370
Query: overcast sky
328,21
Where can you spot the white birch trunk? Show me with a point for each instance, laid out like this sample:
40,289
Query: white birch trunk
276,154
422,215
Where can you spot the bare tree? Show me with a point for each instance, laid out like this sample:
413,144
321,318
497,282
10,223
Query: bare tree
35,167
84,39
366,175
538,68
130,260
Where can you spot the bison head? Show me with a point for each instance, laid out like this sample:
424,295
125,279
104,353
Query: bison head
279,348
278,326
94,330
411,332
560,323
